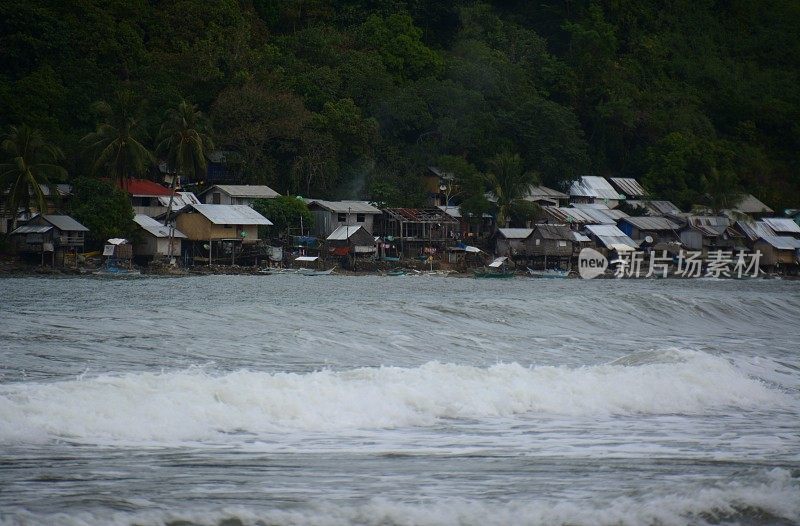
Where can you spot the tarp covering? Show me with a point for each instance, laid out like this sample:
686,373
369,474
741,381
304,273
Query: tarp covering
498,262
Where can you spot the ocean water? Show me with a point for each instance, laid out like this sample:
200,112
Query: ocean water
292,400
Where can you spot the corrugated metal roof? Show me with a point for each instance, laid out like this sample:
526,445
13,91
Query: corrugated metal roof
581,216
629,187
343,207
709,225
750,205
600,211
755,230
594,186
580,237
651,223
452,211
782,225
181,200
515,233
656,208
155,228
782,242
246,190
31,229
663,207
559,232
610,236
65,223
345,232
232,215
543,191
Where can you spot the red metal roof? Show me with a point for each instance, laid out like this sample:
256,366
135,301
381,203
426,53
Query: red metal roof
144,187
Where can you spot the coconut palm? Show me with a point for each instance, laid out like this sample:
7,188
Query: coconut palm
185,137
115,145
722,190
184,140
509,183
29,163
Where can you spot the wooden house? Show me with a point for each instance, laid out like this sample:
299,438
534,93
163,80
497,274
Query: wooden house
54,234
511,242
330,215
155,239
219,232
419,231
709,233
778,250
552,245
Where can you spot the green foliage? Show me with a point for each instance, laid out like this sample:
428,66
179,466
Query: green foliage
331,98
185,139
28,162
509,183
103,208
116,145
285,212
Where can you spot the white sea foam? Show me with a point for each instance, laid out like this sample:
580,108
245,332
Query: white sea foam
774,500
194,404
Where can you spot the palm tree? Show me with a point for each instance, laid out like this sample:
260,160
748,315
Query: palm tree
509,183
722,190
185,137
28,163
115,144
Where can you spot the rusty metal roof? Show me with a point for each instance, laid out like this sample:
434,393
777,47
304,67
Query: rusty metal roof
628,186
419,215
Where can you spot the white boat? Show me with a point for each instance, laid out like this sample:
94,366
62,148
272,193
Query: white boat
313,272
549,273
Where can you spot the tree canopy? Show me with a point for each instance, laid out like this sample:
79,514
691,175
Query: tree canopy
349,98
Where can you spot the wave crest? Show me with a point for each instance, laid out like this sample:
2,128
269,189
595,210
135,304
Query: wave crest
193,404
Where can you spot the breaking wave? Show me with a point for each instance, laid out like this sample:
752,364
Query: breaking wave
196,405
775,500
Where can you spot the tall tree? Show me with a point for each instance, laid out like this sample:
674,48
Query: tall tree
184,140
509,183
185,137
115,145
28,163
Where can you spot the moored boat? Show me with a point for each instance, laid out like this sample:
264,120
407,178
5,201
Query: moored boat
548,273
313,272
